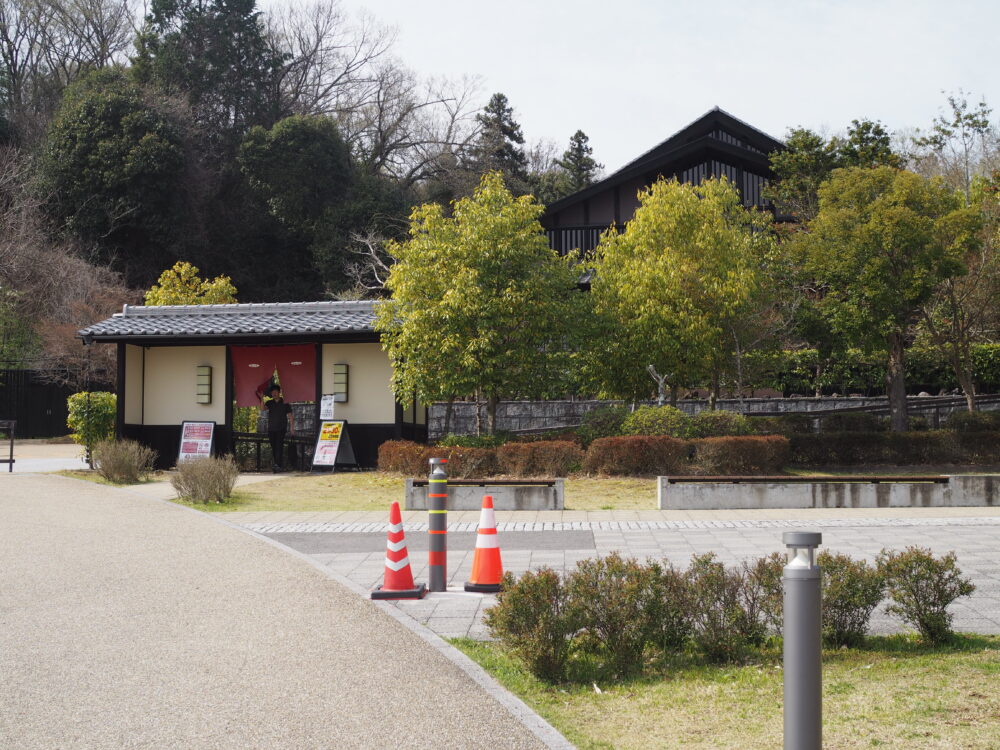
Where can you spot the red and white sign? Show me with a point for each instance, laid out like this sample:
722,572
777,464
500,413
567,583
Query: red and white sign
196,440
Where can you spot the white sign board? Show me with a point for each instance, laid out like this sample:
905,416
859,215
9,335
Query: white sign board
326,406
196,440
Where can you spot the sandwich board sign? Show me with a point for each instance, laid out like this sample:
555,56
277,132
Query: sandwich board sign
196,440
333,445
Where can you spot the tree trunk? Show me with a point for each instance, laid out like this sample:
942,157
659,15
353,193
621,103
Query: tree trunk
963,373
817,383
491,414
896,384
713,394
674,390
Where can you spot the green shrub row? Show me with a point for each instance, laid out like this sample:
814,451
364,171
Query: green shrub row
613,613
622,456
895,448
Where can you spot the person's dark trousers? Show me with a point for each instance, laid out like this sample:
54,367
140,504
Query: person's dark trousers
277,440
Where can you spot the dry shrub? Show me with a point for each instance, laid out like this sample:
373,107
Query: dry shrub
637,455
123,461
741,456
403,457
206,480
554,458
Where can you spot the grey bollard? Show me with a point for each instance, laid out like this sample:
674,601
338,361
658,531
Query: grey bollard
803,632
437,526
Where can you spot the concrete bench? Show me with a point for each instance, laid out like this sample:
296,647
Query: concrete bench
508,494
732,493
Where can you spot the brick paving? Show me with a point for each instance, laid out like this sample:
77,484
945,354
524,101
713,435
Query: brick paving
353,544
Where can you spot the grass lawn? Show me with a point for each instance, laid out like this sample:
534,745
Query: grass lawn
374,490
892,694
90,475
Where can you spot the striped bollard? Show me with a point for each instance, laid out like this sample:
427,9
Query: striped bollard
437,525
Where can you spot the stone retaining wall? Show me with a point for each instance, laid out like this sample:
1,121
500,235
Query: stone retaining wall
968,490
514,416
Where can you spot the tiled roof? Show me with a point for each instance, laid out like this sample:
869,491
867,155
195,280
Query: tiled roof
245,321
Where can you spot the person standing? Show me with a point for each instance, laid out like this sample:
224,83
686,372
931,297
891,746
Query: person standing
279,421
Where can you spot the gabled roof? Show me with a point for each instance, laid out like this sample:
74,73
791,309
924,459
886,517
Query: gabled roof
281,320
696,136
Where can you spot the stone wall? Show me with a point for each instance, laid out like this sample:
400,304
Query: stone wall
517,416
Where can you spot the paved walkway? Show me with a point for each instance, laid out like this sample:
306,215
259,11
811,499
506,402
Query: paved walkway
131,623
353,545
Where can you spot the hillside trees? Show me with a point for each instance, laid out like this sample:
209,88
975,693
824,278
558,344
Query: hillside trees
480,303
111,173
882,242
681,291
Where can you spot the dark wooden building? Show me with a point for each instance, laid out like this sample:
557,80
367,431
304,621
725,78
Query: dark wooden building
715,145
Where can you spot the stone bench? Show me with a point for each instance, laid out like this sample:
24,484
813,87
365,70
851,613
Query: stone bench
512,494
733,493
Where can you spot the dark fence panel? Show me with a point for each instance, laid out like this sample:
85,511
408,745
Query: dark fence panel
38,407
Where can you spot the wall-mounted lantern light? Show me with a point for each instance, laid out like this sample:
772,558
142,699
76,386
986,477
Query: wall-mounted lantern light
340,383
203,394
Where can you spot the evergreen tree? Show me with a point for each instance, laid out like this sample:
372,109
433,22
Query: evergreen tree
579,163
500,145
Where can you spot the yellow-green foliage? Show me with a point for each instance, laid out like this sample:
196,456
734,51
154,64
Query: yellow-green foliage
181,285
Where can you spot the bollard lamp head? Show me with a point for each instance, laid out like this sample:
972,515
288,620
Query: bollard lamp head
802,548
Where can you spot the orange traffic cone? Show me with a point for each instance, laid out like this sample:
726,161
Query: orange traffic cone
487,570
398,580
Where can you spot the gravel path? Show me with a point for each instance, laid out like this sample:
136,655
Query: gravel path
131,623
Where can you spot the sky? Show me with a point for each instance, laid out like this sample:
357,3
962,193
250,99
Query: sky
630,73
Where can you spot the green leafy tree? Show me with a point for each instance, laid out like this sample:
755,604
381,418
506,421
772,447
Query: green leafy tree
91,417
181,285
670,291
480,304
881,244
301,167
867,145
578,162
500,145
111,171
217,55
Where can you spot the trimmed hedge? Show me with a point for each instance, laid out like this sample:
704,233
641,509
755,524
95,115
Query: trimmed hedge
719,423
897,448
552,458
637,454
741,456
657,420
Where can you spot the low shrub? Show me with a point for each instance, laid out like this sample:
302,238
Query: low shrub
657,420
852,589
741,456
763,577
669,604
612,597
474,441
403,457
974,421
718,424
978,447
786,424
563,436
123,461
465,463
727,617
543,458
206,480
600,423
921,587
857,421
899,448
637,455
535,620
